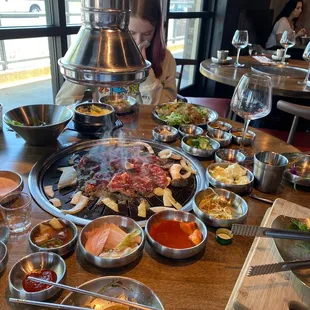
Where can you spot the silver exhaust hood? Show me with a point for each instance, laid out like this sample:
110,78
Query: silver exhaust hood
104,52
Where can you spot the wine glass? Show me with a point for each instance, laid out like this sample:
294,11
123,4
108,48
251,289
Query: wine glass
240,40
287,41
252,99
306,57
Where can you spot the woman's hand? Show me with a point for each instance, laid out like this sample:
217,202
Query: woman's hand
142,47
301,32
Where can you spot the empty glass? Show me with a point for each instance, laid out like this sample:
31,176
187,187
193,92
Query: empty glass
240,40
287,41
252,99
16,211
306,57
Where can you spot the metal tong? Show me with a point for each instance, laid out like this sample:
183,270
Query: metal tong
278,267
77,290
258,231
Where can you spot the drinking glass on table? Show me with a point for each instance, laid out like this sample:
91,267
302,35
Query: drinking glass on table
240,40
16,211
287,41
252,99
306,57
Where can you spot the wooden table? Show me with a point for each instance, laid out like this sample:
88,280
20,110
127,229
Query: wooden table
229,75
203,282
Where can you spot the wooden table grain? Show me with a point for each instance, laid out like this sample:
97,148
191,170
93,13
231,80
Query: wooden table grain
199,283
281,86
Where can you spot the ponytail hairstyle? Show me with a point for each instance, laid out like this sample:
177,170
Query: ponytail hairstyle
289,7
150,10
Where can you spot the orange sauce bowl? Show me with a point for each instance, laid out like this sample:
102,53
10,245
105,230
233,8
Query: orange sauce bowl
164,234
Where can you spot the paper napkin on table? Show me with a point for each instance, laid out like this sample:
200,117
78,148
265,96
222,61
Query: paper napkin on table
264,59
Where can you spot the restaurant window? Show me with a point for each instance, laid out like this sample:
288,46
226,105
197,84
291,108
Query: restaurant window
186,25
34,34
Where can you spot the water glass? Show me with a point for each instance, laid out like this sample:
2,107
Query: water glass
240,40
268,171
252,99
306,57
287,41
16,211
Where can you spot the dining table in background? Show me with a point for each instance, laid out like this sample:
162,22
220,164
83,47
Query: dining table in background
281,85
202,282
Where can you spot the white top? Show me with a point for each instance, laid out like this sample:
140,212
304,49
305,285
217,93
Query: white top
153,90
280,26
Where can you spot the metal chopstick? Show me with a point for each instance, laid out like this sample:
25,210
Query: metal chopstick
46,304
258,231
278,267
93,294
261,199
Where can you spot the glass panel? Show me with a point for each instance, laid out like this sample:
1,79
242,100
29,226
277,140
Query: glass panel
71,38
185,5
25,75
23,13
73,12
180,31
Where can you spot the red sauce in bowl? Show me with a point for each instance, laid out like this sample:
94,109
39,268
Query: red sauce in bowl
45,274
171,234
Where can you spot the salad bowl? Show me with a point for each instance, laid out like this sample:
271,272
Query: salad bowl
180,113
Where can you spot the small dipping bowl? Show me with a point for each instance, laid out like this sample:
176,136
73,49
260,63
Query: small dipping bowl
238,203
199,152
237,136
4,256
165,133
229,155
174,215
30,263
236,188
125,223
61,250
190,130
10,182
222,137
218,125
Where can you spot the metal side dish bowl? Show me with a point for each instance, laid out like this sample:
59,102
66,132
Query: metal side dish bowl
128,225
33,263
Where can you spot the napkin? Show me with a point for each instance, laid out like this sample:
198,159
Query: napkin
264,59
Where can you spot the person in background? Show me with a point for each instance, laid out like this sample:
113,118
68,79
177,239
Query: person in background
286,21
146,27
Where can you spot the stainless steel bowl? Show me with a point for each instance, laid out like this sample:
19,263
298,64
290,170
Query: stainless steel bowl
125,223
36,261
222,137
173,215
302,163
4,256
170,135
244,188
238,203
56,117
229,155
190,130
199,152
238,139
114,286
62,250
218,125
116,100
16,178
